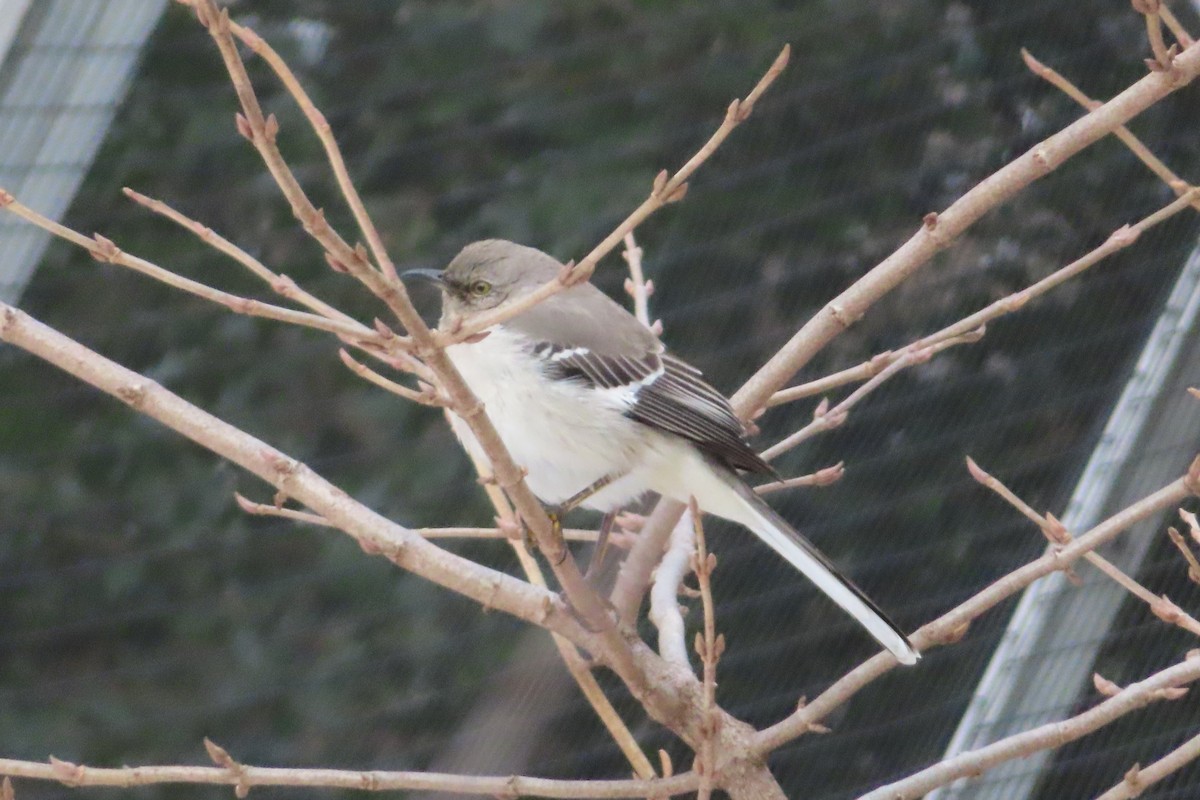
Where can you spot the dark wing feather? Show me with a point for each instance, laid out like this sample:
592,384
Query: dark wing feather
681,402
603,372
666,394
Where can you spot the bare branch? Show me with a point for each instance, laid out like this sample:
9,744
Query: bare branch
246,776
270,510
1044,737
282,284
1059,537
636,285
710,647
262,132
665,612
373,532
937,233
427,396
1162,57
578,669
1177,30
971,328
1193,526
333,153
1138,779
953,625
822,477
1188,555
828,419
1156,165
665,190
638,567
105,250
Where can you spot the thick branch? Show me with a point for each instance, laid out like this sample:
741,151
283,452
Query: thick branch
375,533
936,233
970,328
1127,137
940,229
665,612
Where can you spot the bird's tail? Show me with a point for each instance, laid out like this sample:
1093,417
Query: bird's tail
785,540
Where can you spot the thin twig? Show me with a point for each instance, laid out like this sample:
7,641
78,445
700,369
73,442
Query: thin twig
333,153
282,284
271,510
1043,737
1193,525
666,189
636,285
1150,10
262,131
1193,571
1177,30
825,419
105,250
1060,537
393,348
709,646
874,366
427,396
248,776
1138,779
822,477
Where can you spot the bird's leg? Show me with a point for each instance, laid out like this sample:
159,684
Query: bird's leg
580,497
558,511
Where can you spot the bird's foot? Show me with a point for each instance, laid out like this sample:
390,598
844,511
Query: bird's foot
560,542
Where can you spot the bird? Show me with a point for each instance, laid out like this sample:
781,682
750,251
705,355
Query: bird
589,402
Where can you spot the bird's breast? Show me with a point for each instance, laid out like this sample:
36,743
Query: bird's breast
562,432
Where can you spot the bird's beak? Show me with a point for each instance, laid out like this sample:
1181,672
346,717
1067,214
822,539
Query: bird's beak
434,276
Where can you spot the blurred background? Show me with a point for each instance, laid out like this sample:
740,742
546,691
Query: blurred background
141,611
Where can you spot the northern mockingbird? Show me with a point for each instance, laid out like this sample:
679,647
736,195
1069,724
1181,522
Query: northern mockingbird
589,402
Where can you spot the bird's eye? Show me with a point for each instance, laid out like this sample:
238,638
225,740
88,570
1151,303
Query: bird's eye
480,289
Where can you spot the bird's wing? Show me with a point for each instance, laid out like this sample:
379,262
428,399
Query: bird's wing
662,392
583,335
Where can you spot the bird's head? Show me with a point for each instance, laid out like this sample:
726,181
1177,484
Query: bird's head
486,274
